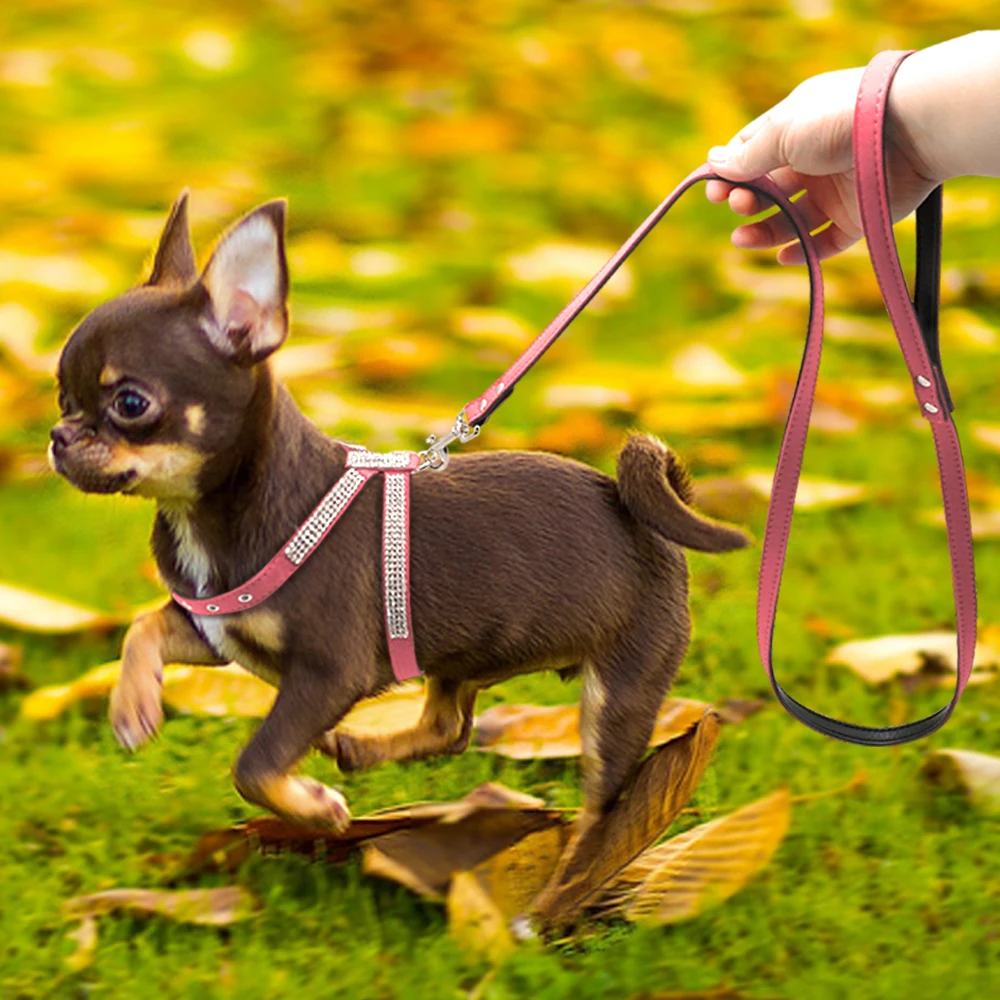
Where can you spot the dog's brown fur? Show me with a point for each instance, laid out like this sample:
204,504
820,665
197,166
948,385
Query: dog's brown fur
519,561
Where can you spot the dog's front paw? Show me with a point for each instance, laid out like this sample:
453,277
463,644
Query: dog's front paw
324,806
350,752
136,713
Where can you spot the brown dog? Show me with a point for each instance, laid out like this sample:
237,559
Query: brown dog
519,561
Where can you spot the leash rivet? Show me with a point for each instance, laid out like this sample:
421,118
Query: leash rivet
925,382
930,408
211,607
243,598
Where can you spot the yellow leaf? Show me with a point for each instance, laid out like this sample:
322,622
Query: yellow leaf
491,326
702,367
104,151
706,865
34,612
398,708
85,937
568,267
603,847
878,660
987,435
964,327
975,774
475,921
812,493
681,417
211,907
221,691
537,732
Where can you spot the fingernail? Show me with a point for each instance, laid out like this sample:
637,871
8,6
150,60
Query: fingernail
718,154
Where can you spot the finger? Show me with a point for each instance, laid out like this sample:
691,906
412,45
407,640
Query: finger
717,191
829,243
743,160
777,230
746,202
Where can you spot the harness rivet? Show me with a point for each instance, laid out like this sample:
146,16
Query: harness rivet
925,382
930,408
243,598
211,607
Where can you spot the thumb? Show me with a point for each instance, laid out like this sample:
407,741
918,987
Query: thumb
753,152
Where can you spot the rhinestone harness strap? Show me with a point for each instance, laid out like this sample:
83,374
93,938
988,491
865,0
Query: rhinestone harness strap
362,465
915,323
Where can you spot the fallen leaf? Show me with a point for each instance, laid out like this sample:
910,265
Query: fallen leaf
211,907
680,417
536,732
985,523
880,659
396,709
85,937
11,678
228,691
812,493
49,702
474,919
425,858
577,433
396,358
736,710
987,435
568,267
491,326
703,866
976,774
728,498
968,329
227,849
32,611
600,851
303,360
699,366
513,877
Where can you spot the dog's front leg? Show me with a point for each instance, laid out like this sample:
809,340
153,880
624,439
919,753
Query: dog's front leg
444,727
154,639
306,706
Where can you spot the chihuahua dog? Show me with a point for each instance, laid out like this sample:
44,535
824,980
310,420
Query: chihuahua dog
519,561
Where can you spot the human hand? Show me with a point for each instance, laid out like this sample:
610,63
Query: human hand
804,142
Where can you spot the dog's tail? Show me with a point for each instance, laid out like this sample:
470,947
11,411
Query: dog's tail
657,490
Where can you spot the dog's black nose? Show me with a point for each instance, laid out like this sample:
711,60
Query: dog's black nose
62,436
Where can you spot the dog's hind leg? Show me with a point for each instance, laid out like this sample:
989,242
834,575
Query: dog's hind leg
623,690
444,727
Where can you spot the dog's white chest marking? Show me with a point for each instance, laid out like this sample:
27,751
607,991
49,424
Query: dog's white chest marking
194,563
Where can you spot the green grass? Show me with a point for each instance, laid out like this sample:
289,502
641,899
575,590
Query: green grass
892,888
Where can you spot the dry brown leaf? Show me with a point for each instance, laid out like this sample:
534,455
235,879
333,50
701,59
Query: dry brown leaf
880,659
229,848
702,866
512,878
85,937
212,907
34,612
728,498
976,774
11,678
654,797
536,732
425,858
475,920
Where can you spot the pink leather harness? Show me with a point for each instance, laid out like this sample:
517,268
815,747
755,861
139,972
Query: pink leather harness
915,323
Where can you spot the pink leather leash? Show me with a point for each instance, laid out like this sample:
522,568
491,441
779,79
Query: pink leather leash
915,324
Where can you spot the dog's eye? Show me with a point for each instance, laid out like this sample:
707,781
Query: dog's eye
130,405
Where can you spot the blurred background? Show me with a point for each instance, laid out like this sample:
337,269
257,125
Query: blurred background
455,172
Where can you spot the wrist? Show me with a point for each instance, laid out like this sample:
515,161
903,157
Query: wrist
943,105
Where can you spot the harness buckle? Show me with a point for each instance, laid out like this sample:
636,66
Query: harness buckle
436,457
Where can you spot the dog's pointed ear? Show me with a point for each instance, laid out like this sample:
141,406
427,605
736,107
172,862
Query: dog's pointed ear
174,261
247,285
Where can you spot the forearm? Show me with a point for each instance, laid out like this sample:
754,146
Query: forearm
946,99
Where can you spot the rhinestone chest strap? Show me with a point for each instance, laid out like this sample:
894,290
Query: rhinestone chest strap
362,465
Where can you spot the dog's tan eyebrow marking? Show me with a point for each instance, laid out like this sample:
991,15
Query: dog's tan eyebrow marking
109,375
194,417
